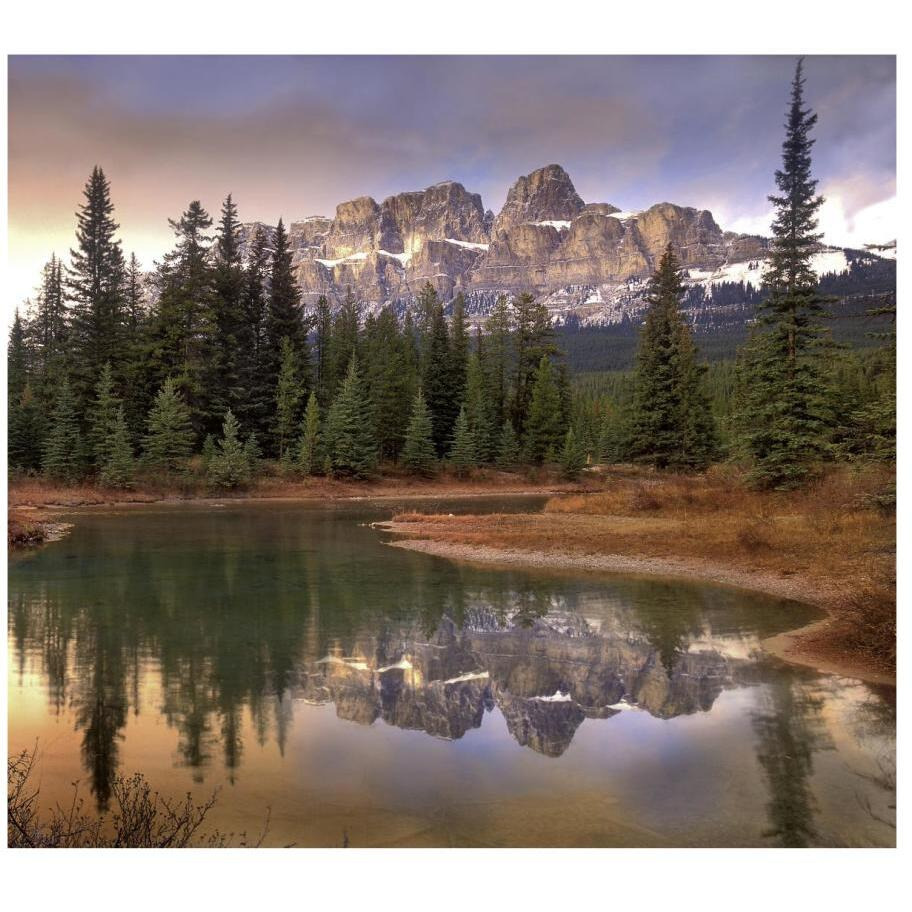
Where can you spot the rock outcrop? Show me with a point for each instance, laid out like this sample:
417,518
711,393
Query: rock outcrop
545,240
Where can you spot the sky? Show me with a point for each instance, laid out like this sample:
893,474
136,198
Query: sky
294,136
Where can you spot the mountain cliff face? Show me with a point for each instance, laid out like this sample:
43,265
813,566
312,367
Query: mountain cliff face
591,258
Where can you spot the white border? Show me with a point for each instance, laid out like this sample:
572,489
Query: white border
440,879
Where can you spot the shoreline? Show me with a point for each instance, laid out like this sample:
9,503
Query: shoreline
37,522
789,646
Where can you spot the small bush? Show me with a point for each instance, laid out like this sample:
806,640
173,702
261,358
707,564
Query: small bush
867,621
141,818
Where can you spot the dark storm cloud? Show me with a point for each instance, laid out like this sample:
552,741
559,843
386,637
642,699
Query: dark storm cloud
295,136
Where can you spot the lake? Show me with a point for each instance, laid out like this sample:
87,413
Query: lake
283,654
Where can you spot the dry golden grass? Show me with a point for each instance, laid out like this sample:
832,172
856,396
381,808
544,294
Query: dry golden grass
833,535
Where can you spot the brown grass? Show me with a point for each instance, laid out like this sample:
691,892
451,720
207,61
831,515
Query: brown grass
39,492
832,536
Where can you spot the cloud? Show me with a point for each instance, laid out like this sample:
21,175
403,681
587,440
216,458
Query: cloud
295,136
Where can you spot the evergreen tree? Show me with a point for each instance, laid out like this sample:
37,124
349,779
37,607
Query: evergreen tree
350,439
322,351
343,343
495,356
96,277
418,453
425,308
183,330
480,412
63,444
50,333
573,457
25,433
508,451
118,465
438,381
137,397
782,419
670,422
459,348
611,438
255,394
287,397
544,425
534,340
462,452
103,412
700,443
285,319
309,455
391,380
228,306
17,358
229,466
169,440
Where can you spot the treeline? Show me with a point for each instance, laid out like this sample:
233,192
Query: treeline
793,400
112,375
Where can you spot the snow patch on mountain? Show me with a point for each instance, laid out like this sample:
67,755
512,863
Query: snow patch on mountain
351,258
469,245
403,258
560,224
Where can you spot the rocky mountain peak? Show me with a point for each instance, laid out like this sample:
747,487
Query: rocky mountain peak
545,195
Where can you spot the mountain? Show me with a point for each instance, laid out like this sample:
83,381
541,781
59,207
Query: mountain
589,262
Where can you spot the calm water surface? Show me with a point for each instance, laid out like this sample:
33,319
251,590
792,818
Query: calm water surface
283,654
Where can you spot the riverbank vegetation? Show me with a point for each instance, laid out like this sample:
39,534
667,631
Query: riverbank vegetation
832,543
139,818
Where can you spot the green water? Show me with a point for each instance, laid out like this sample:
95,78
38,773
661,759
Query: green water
371,696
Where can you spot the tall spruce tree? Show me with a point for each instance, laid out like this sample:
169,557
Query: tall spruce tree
287,399
183,330
228,306
285,317
255,398
351,447
169,439
61,459
670,423
418,453
495,359
459,347
50,331
322,351
534,339
343,342
782,420
480,411
438,382
96,278
391,380
544,426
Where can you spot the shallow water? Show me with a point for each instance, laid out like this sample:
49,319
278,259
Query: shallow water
372,696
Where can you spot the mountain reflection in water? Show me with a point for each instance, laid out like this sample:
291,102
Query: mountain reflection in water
219,618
